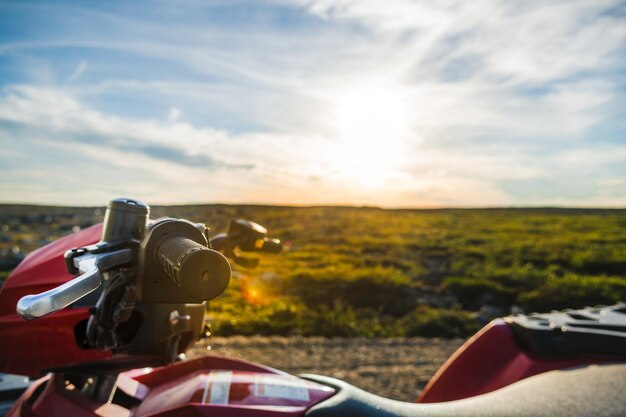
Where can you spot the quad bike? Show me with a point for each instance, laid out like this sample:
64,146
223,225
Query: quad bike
110,341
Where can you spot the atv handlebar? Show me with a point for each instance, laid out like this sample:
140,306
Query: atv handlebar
174,260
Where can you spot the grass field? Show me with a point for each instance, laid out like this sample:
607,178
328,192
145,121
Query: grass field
372,272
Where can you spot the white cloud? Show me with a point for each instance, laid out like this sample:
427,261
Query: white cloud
526,41
497,92
173,114
78,71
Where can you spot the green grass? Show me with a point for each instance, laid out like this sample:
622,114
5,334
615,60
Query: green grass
364,272
371,272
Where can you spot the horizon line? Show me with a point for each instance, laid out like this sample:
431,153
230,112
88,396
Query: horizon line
330,205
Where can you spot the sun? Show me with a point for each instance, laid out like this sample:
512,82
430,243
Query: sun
371,127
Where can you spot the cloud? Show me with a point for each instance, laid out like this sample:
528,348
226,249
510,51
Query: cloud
78,71
517,40
501,96
173,114
52,113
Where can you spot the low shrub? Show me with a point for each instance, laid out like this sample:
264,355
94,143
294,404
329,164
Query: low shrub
339,320
574,291
280,318
432,322
474,292
386,290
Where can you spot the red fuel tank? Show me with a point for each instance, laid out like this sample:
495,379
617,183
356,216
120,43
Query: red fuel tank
32,347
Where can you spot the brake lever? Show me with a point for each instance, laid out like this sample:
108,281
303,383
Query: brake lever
90,266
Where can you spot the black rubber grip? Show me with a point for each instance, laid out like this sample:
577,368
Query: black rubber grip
201,272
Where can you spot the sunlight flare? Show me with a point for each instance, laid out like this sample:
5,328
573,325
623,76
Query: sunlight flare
372,126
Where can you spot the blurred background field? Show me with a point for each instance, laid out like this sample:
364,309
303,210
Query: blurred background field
368,272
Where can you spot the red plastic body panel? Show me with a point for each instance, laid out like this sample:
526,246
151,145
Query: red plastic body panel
208,386
31,347
490,360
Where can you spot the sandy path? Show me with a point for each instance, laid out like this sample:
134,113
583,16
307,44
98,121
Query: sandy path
396,368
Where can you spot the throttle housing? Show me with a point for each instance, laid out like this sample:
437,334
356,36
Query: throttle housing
177,265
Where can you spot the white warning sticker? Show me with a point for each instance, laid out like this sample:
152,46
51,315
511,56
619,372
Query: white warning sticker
273,387
217,387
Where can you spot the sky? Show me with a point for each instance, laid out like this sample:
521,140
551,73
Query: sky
394,103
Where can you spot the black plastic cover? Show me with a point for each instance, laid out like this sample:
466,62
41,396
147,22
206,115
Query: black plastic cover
592,330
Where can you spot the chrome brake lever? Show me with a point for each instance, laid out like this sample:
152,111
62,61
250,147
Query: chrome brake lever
91,267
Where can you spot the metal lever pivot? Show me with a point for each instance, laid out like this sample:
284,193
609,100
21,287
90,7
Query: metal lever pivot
91,267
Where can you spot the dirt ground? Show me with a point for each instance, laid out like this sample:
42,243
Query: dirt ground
396,368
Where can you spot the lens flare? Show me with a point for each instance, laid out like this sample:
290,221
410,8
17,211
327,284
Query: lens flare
252,291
